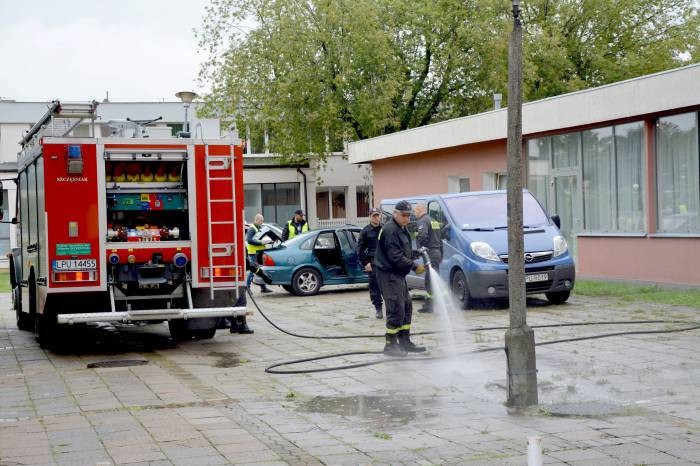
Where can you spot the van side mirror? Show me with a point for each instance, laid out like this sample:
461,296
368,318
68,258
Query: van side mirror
446,232
556,220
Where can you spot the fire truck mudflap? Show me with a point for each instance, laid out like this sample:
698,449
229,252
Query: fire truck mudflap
119,229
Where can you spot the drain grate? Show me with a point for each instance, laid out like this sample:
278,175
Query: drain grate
117,363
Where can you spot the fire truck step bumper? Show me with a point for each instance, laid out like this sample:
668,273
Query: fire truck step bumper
152,314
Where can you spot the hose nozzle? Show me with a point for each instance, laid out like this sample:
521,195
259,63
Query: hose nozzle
424,253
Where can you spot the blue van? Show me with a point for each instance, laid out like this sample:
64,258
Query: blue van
475,246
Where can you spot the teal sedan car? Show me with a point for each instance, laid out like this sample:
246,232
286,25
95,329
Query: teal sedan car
303,264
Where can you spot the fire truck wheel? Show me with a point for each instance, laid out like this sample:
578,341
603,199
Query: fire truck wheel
204,334
179,331
306,282
24,319
46,328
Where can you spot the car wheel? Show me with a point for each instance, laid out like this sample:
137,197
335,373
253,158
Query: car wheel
461,290
558,297
288,288
306,282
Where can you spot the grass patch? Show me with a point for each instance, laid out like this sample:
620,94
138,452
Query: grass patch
5,282
633,293
382,435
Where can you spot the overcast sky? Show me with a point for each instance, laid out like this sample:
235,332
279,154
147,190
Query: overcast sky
79,49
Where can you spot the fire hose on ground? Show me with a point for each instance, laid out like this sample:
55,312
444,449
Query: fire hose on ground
274,369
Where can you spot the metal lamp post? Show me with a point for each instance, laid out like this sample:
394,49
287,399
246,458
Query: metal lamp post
520,339
186,97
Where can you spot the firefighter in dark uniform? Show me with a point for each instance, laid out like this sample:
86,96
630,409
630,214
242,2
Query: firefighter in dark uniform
366,248
392,263
428,236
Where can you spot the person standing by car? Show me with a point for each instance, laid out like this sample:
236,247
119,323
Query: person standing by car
255,247
393,262
428,236
296,226
366,248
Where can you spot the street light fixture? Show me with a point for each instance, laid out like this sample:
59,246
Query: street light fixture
186,97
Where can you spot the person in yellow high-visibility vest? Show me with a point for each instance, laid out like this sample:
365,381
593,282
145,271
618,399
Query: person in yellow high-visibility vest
296,226
255,247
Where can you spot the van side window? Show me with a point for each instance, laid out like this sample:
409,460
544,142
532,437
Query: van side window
435,213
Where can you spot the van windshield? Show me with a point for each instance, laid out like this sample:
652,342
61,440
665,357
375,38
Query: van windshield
489,211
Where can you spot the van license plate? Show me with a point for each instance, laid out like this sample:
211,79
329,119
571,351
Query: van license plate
75,264
536,277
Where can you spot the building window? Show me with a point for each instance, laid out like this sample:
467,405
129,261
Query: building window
495,181
630,177
5,227
677,174
457,184
362,200
276,201
538,155
330,203
598,179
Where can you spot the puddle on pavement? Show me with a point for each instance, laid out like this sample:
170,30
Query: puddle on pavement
384,410
226,359
585,409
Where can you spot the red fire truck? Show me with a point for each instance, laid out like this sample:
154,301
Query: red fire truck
126,229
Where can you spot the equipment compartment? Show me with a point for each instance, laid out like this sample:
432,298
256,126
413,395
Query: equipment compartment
146,200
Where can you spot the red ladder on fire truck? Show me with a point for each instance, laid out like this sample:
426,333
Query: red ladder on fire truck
220,168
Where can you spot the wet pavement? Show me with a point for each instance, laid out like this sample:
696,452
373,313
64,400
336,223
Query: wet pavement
627,399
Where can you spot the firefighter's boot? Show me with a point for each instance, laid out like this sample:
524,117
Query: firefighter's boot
392,347
407,345
379,314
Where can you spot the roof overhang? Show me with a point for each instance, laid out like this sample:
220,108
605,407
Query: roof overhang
654,93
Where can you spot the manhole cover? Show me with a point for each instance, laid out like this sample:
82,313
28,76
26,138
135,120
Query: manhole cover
590,408
118,363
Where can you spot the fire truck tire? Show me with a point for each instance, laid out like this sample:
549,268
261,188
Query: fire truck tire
46,328
204,334
24,319
178,330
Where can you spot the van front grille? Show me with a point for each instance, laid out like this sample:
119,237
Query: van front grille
531,257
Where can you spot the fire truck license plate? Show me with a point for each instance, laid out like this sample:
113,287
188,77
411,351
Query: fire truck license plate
75,264
536,277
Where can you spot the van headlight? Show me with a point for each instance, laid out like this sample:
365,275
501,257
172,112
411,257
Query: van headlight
484,250
560,245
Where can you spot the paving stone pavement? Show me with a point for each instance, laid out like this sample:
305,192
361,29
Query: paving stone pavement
210,402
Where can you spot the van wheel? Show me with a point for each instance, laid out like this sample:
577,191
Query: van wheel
306,282
558,297
461,290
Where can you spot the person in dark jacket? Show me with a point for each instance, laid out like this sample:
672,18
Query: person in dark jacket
366,248
296,226
392,262
255,247
428,236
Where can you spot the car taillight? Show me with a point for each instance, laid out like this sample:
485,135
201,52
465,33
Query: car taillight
267,260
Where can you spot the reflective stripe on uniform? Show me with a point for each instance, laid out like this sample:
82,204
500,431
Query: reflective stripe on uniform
435,225
393,331
405,327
